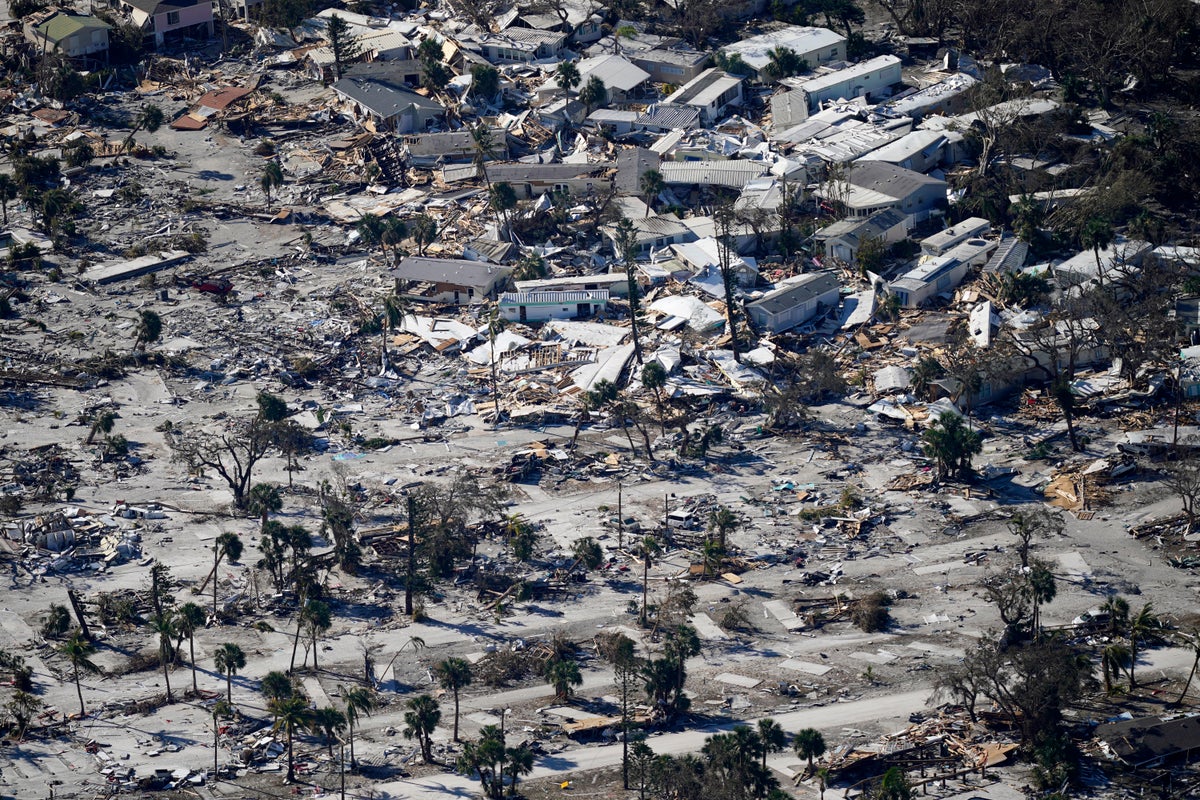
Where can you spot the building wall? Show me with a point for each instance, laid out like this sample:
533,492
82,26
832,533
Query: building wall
857,86
790,318
543,313
662,72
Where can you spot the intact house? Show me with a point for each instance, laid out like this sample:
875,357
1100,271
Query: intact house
548,305
844,238
868,79
935,275
713,91
872,186
449,280
619,76
379,95
74,36
160,20
814,45
795,303
534,180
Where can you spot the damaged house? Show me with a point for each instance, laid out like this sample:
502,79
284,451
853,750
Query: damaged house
448,280
795,302
380,97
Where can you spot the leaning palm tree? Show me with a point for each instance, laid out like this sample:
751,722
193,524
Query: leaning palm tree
272,178
453,674
190,618
77,651
263,501
1190,640
358,701
291,715
229,659
150,118
227,546
1113,659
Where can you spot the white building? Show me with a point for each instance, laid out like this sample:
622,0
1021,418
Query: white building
940,242
795,303
615,283
844,238
712,91
544,306
814,45
869,79
940,274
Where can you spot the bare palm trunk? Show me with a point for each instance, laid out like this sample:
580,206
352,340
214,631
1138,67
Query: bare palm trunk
229,686
167,680
79,691
1191,675
192,655
456,710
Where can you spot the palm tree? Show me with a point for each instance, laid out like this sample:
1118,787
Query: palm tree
654,378
809,743
1190,640
563,674
1141,625
150,118
8,193
190,618
1117,608
330,722
1097,234
424,232
503,199
1042,590
291,715
772,739
228,545
264,499
649,550
723,521
594,94
229,659
148,329
420,721
102,422
453,674
272,178
76,650
394,232
567,76
495,327
1113,658
951,444
652,184
358,701
164,625
22,706
276,685
315,618
520,762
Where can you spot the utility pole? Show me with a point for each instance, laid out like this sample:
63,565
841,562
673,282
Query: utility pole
342,763
666,514
412,555
620,520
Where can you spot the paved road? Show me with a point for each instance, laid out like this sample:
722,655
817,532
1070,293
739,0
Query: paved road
829,719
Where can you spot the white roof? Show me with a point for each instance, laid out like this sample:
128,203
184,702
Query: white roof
614,72
756,51
832,79
705,88
1006,112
